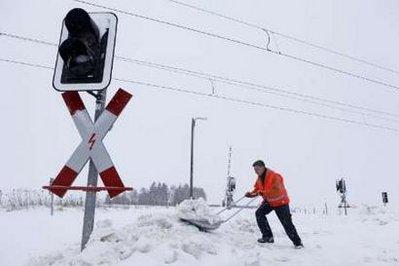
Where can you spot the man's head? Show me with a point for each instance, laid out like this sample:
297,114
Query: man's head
259,167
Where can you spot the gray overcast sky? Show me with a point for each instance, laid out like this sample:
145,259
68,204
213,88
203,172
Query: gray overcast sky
150,141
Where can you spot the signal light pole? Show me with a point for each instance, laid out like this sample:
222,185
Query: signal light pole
231,184
341,188
92,179
51,199
193,120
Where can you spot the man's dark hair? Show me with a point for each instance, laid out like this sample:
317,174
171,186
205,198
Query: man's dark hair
258,163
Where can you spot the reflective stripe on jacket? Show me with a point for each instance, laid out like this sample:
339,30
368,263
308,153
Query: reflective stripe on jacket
272,189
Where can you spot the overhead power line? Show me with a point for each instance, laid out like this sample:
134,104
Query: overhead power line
25,63
243,43
271,90
222,97
290,37
27,39
248,85
243,101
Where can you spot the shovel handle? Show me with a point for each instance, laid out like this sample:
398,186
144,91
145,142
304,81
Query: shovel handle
219,212
237,212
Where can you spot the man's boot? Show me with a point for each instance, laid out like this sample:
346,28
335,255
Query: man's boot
266,240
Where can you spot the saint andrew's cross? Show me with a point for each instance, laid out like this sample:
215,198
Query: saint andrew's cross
91,146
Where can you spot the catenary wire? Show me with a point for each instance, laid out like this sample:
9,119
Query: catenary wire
272,90
226,98
243,43
290,37
248,85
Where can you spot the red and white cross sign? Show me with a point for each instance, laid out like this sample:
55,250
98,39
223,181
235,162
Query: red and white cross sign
91,146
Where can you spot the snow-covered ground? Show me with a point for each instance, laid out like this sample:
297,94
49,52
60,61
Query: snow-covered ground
155,236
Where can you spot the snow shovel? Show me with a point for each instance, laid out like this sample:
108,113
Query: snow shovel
205,225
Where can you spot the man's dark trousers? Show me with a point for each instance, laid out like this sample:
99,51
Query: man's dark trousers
283,214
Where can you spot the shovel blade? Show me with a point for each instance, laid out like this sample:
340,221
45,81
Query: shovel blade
203,225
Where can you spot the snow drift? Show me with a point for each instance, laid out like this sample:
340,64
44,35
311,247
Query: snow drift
197,210
155,236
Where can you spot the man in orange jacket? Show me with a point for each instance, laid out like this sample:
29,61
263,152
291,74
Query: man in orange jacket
270,186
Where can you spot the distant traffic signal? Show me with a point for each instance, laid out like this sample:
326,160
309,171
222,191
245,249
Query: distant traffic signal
231,184
340,185
384,197
86,51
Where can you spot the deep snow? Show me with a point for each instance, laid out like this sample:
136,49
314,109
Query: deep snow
155,236
197,210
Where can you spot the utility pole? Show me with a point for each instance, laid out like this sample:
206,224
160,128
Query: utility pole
193,120
192,157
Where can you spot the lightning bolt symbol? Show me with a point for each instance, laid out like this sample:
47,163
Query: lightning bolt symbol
92,140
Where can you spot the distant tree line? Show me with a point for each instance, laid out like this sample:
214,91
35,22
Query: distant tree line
159,194
17,199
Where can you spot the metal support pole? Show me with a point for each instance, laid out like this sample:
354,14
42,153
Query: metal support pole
326,208
90,203
51,199
192,158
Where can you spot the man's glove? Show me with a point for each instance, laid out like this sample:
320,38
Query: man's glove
250,195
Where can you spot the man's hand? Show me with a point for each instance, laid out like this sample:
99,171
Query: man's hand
250,194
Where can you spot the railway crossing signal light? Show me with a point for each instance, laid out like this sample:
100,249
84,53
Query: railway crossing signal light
81,51
86,51
84,63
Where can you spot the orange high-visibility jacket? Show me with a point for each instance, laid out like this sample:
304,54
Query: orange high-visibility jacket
272,190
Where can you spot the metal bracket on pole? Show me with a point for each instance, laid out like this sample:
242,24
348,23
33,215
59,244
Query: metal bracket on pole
95,95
